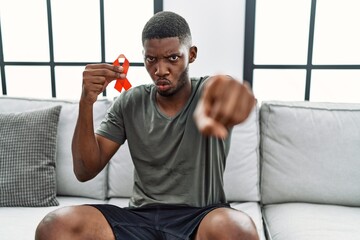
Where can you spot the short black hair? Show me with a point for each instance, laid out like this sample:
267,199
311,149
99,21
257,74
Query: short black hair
167,24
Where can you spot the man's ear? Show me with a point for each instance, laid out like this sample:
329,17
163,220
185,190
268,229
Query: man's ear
193,54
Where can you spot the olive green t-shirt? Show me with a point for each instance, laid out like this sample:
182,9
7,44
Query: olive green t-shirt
174,163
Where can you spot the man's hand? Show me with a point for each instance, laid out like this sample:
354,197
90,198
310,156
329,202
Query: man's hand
96,77
224,103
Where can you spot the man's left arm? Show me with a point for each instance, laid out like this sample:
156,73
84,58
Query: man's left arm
224,103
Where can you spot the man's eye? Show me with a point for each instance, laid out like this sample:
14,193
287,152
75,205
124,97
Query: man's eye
150,59
173,58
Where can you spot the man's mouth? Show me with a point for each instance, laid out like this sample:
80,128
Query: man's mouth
163,84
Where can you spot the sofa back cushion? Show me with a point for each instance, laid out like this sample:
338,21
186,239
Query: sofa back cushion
310,152
66,182
121,170
241,178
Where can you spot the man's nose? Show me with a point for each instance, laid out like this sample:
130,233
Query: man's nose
161,69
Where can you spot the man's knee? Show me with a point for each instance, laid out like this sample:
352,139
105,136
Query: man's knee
225,223
77,222
54,223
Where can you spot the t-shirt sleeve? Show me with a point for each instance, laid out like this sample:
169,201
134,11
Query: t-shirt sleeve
112,126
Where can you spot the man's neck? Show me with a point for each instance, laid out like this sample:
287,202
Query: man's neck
171,105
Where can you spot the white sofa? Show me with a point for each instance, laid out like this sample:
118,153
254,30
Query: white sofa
293,167
310,170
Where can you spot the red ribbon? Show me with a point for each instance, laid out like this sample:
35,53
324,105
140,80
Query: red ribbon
122,82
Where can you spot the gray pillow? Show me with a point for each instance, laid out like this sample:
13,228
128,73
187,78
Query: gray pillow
27,158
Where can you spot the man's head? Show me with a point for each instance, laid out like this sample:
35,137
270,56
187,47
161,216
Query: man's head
165,25
167,52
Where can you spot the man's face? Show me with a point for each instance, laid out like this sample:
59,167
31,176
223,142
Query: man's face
166,60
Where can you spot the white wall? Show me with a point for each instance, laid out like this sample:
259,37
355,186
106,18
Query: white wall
218,31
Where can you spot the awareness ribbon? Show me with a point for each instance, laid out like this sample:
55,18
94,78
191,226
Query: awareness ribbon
122,82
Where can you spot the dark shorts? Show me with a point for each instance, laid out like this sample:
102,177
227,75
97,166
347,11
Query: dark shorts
170,222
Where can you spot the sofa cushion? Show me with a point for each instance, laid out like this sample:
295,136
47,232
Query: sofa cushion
19,223
241,177
27,158
305,221
121,173
310,152
67,184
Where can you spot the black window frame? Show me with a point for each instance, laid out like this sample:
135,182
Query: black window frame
158,7
250,66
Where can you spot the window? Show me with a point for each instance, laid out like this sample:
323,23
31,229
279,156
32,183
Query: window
303,50
45,44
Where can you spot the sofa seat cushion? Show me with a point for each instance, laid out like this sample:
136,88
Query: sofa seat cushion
305,221
19,223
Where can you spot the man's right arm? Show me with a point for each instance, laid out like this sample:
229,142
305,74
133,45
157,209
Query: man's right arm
92,152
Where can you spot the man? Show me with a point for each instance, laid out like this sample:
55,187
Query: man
178,134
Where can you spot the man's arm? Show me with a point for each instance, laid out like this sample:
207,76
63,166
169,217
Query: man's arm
224,103
92,152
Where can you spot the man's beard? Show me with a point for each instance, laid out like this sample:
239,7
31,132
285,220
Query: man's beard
181,83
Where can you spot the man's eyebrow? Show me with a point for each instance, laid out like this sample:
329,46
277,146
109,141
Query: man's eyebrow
148,55
166,55
174,53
